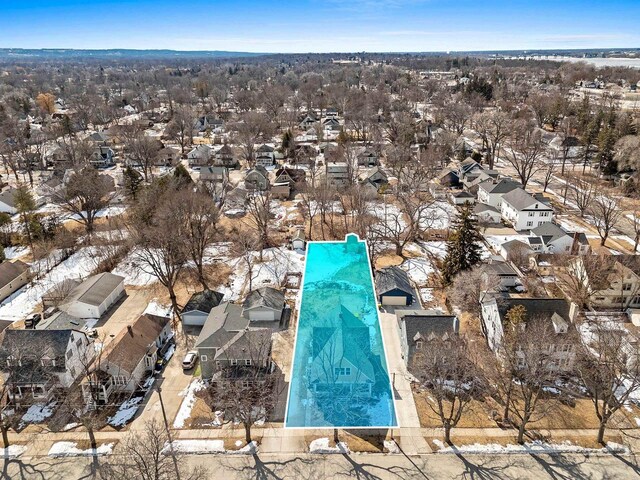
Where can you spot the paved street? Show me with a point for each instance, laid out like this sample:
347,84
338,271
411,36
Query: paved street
370,467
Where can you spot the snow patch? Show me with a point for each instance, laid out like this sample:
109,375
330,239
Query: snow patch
321,445
536,446
202,447
13,451
125,413
70,449
189,401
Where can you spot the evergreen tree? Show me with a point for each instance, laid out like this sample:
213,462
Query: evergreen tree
26,206
132,181
463,248
181,176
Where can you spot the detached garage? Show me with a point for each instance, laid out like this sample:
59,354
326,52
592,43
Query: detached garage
393,287
264,305
93,297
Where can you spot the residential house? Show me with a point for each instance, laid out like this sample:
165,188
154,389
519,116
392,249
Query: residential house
551,238
374,176
368,158
417,328
99,139
264,304
8,201
228,338
257,178
265,156
13,276
200,156
127,360
525,211
215,175
331,124
619,288
93,297
337,174
342,361
167,157
308,121
515,251
102,157
294,177
393,287
490,192
487,214
197,309
224,157
50,188
208,122
39,364
557,313
462,198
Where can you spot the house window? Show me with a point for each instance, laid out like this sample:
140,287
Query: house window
544,214
69,354
79,342
234,361
204,358
38,392
340,371
531,214
626,287
529,224
72,371
247,362
419,345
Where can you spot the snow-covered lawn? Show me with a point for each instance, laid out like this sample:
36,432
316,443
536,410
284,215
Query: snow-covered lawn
21,303
321,445
15,252
130,269
277,262
418,269
530,447
201,447
125,413
13,451
37,413
157,309
70,449
188,402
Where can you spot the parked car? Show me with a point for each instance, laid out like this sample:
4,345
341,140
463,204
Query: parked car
189,360
32,320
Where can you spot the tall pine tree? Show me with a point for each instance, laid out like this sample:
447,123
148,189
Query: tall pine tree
463,247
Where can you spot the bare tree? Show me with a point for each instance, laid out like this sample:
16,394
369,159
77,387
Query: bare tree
583,193
160,248
635,224
583,276
525,152
143,152
606,213
493,128
86,193
530,361
201,217
468,288
259,210
243,247
448,370
182,126
251,127
142,456
610,370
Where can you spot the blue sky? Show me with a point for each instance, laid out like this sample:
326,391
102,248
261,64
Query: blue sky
319,25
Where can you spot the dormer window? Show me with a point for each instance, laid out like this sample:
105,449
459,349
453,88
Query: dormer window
419,345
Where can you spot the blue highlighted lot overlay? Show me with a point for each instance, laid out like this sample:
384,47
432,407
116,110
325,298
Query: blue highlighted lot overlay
339,376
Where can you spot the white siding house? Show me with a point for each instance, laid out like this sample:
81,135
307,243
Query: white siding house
525,211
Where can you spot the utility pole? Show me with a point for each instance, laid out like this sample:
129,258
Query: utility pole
166,425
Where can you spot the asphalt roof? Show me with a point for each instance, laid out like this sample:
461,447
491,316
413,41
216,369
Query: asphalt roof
504,185
422,323
203,301
9,271
264,297
521,200
96,289
391,278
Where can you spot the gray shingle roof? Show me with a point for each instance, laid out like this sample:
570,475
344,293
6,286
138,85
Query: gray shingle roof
391,278
550,232
203,301
521,200
95,290
501,186
264,297
541,307
422,323
9,271
8,197
39,343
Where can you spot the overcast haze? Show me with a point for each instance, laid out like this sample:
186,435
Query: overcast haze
319,26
